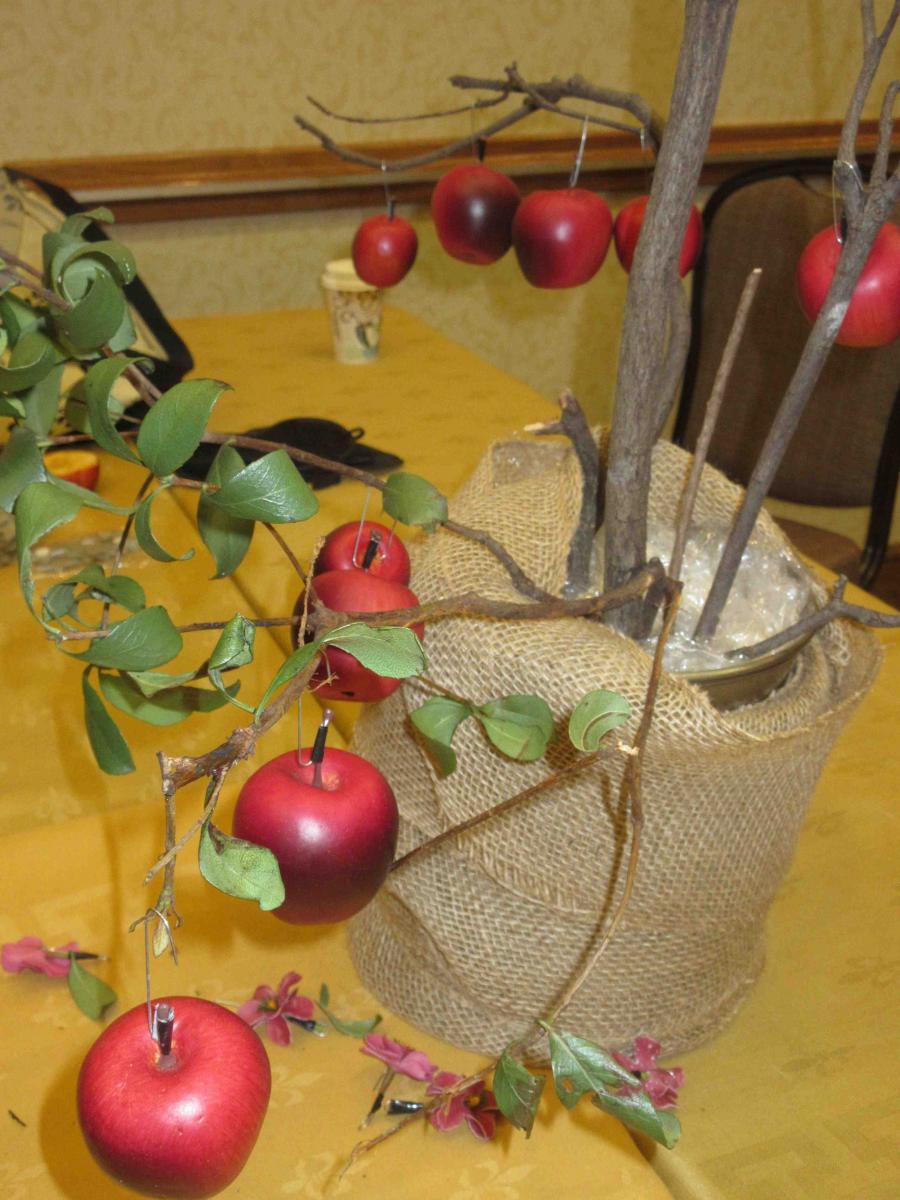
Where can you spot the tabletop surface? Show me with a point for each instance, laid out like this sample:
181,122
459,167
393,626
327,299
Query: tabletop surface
795,1099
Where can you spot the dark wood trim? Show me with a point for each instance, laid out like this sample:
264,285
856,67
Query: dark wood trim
280,179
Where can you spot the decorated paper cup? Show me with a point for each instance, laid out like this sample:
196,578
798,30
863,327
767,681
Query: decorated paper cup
354,308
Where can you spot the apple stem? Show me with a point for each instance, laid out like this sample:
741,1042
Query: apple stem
381,1089
318,750
404,1107
371,550
480,148
163,1026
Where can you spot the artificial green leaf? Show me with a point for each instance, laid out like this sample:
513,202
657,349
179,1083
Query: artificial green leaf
172,429
580,1066
40,508
239,868
109,747
414,501
145,536
356,1029
270,489
166,707
88,498
21,463
517,1091
11,407
97,390
76,223
233,649
18,317
519,726
32,357
596,715
125,335
42,401
638,1111
117,258
226,537
120,589
152,682
58,601
147,639
98,305
392,651
291,666
437,721
91,994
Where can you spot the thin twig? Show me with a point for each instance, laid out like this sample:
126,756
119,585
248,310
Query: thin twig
885,132
36,289
123,541
487,102
208,809
710,417
288,552
522,85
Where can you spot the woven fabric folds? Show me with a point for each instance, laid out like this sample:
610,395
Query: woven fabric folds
473,939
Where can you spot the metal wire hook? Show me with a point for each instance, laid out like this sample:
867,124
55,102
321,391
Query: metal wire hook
579,158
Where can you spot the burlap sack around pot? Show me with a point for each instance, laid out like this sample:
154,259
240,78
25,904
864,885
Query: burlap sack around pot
473,939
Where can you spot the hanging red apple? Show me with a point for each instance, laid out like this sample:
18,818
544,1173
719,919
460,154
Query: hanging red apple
627,230
176,1120
873,317
333,831
473,208
384,250
348,547
561,237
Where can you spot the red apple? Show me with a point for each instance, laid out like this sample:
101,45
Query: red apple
627,230
334,843
177,1124
473,208
384,249
873,318
390,559
75,466
356,591
561,237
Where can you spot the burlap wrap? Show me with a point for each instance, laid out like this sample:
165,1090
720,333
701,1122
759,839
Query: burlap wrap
473,939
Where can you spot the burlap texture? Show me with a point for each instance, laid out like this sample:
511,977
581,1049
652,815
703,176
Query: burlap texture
473,939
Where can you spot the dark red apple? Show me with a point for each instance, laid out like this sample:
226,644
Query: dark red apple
473,208
178,1124
627,230
357,591
384,249
561,237
873,318
334,843
390,560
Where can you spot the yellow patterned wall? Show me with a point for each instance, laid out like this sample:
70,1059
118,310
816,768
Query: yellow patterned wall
126,76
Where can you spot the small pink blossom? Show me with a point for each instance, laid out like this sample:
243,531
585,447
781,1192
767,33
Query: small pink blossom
660,1085
30,954
402,1060
475,1105
272,1009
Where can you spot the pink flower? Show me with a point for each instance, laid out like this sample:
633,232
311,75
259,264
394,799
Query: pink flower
402,1060
660,1085
475,1105
30,954
273,1008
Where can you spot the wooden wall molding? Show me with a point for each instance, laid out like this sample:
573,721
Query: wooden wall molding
187,185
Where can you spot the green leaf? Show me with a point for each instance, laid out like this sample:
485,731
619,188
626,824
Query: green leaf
437,721
91,994
115,257
239,868
18,317
517,1091
167,707
580,1066
172,429
88,498
414,501
638,1111
40,508
233,649
146,538
97,388
21,463
152,682
98,306
148,639
393,651
356,1029
291,666
75,224
270,489
226,537
596,715
519,726
120,589
32,357
42,401
109,747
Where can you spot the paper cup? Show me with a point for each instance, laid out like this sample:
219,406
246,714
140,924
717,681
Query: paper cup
354,308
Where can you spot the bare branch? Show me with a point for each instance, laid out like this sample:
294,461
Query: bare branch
521,85
885,132
487,102
287,551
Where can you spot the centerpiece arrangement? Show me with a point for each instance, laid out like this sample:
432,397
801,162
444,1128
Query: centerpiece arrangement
550,843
